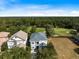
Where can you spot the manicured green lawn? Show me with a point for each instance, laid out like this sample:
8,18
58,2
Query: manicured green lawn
29,28
62,31
37,29
57,31
40,29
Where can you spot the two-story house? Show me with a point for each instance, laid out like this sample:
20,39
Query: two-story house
18,39
38,40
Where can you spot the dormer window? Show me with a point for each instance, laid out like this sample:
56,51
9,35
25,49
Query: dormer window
37,42
32,42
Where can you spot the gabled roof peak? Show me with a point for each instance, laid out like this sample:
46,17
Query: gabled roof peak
21,34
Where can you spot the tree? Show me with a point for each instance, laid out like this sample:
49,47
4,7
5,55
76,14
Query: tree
4,46
74,32
44,53
16,53
33,29
76,27
49,30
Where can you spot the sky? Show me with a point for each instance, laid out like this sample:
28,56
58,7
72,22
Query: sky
39,8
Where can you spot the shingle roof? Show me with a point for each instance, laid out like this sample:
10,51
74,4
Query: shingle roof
38,36
21,34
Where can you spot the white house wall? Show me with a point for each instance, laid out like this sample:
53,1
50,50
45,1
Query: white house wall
10,44
17,40
44,41
33,46
25,40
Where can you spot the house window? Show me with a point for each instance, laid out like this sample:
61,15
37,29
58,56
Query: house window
37,42
32,47
32,42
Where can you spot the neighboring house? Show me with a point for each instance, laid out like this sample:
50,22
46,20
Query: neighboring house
3,37
38,40
18,39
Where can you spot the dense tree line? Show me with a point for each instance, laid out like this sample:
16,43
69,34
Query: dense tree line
13,24
39,21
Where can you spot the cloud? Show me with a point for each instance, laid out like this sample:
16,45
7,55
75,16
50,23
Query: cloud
75,12
37,10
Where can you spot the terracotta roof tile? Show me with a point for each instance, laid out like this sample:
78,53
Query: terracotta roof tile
3,37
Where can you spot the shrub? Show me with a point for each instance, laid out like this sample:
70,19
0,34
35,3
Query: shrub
4,46
16,53
44,53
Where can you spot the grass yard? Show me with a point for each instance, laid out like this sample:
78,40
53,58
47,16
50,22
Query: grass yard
62,31
40,29
29,28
